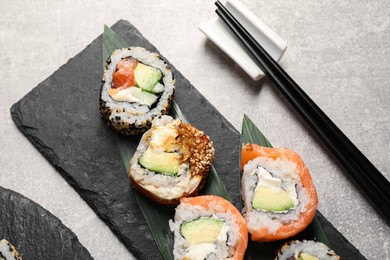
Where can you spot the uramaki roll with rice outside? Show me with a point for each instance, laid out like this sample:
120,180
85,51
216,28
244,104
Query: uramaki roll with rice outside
279,195
137,87
8,251
305,250
208,227
172,161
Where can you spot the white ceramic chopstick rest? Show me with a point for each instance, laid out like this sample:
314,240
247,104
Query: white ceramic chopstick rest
221,35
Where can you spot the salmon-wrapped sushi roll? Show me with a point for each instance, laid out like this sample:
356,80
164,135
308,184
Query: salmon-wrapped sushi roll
172,161
306,250
137,87
208,227
279,195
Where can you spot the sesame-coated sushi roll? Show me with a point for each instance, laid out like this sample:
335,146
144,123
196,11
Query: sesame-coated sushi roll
279,196
8,251
305,250
172,161
137,86
208,227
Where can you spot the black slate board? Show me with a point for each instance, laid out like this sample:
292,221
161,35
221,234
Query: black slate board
35,232
61,118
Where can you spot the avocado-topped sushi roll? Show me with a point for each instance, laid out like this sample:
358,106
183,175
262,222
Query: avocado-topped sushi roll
279,196
137,86
8,251
305,250
208,227
172,161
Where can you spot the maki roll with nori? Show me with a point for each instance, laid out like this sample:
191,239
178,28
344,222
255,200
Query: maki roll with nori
172,161
137,86
279,195
208,227
305,250
8,251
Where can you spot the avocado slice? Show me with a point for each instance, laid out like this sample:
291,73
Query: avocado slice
158,161
306,256
146,77
272,200
202,230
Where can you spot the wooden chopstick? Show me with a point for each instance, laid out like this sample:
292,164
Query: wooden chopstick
362,171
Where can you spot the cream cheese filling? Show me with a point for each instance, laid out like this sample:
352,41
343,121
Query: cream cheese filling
273,194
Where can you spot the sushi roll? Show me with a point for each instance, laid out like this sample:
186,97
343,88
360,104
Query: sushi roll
279,196
137,86
208,227
305,250
172,161
8,251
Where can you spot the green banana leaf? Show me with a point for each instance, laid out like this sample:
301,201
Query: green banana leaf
156,216
251,134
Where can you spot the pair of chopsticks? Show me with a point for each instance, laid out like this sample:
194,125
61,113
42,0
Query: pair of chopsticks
362,171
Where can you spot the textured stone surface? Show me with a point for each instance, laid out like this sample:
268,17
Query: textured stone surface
35,232
337,52
83,149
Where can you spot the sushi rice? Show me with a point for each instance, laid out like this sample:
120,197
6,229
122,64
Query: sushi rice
191,176
8,251
280,199
313,250
281,169
232,240
131,117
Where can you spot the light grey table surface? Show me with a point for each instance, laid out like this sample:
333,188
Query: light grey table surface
338,51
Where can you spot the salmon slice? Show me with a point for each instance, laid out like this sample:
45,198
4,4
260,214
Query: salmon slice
252,151
219,204
124,74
